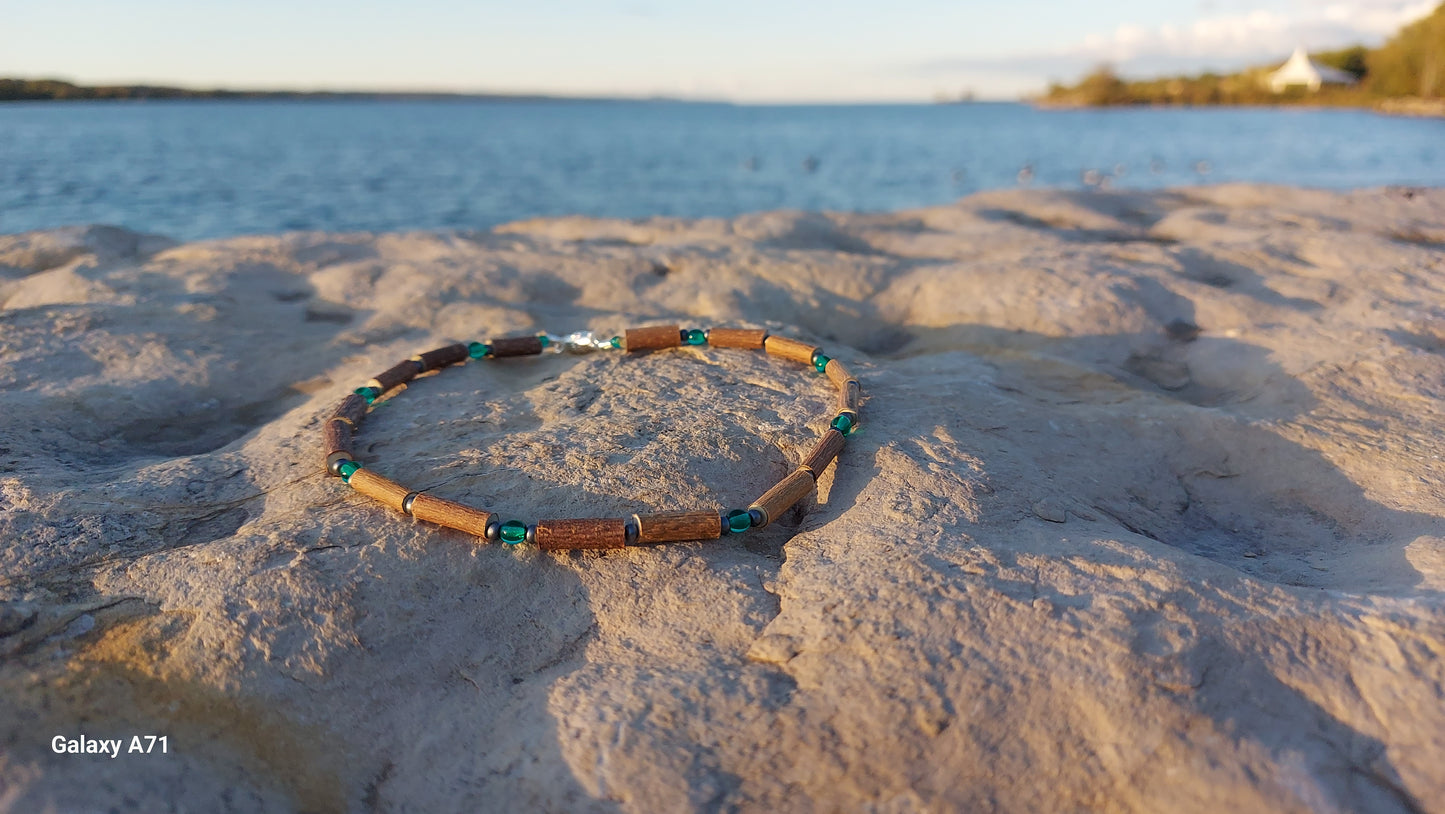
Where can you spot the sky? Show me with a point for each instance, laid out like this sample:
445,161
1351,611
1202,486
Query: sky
765,51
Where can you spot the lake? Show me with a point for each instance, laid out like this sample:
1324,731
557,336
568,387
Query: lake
199,169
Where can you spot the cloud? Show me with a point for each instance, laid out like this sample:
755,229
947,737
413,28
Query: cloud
1259,33
1219,41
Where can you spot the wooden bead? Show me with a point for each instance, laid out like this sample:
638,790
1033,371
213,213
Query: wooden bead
591,533
516,346
677,527
790,349
337,436
824,453
396,375
452,515
655,337
441,357
780,498
351,410
848,397
838,374
736,338
380,489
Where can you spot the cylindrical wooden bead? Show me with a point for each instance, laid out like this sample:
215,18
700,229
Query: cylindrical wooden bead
516,346
849,396
736,338
441,357
556,535
352,409
378,488
398,374
790,349
780,498
337,436
824,453
677,527
655,337
838,374
452,515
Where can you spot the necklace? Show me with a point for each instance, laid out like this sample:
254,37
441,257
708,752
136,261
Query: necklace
592,533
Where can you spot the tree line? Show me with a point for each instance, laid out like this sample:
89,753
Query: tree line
25,90
1409,64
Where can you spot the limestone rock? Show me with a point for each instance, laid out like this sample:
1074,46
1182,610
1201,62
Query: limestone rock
1245,609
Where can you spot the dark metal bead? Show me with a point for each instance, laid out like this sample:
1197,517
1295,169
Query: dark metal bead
759,519
531,532
629,532
407,501
494,530
334,461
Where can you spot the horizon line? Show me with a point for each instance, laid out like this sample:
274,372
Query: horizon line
201,93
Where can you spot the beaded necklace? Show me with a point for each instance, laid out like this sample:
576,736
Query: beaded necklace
593,533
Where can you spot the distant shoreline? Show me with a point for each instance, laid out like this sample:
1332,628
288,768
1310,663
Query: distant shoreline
56,90
1403,77
1405,106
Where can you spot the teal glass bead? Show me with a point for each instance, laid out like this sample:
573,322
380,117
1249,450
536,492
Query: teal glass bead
617,342
693,336
844,423
347,469
739,521
820,362
368,393
544,340
477,350
514,532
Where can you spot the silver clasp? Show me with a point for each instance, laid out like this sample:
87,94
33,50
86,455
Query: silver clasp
578,342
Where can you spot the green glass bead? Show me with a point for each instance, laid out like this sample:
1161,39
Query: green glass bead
844,424
739,521
544,340
513,532
821,362
347,469
477,350
617,342
693,336
368,393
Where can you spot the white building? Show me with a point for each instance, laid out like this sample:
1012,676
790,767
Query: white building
1301,70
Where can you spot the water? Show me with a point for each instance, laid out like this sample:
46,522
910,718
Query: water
207,169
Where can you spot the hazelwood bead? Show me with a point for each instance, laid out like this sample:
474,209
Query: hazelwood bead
824,453
848,397
791,349
516,346
352,409
430,509
590,533
441,357
838,374
655,337
780,498
337,436
378,488
676,527
736,338
396,375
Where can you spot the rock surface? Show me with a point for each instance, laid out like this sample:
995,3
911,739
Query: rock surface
1148,514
